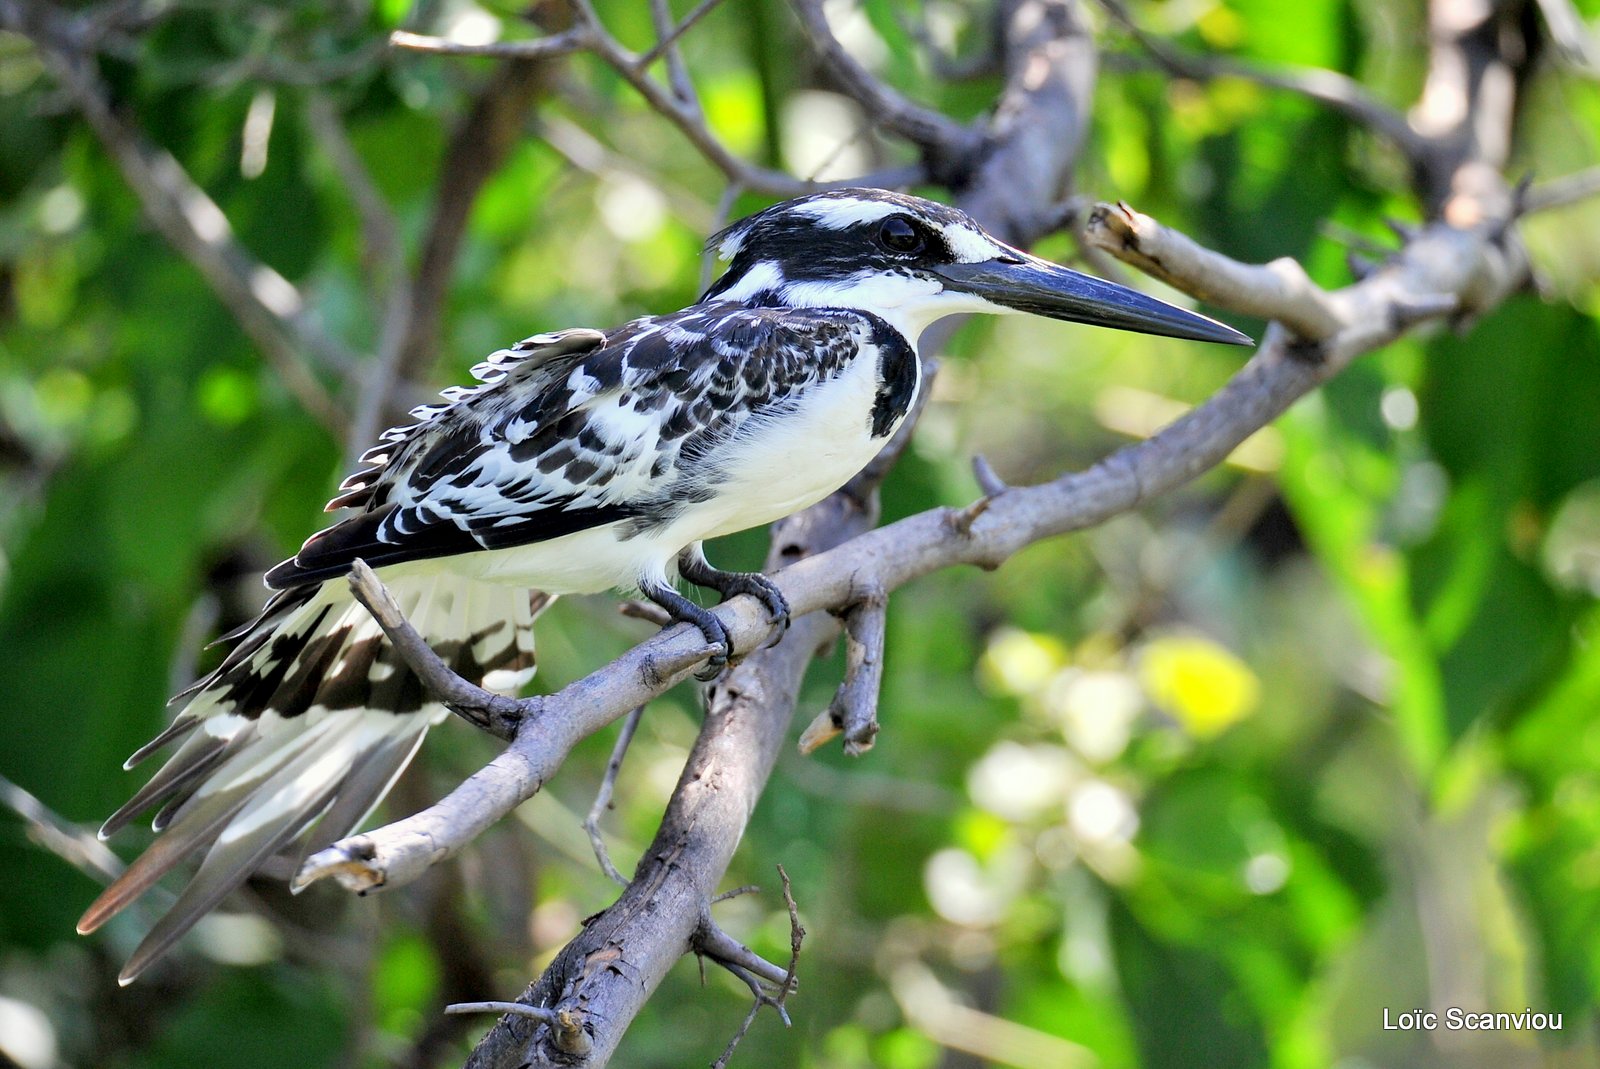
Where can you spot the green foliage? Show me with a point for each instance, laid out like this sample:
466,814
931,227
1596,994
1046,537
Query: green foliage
1185,790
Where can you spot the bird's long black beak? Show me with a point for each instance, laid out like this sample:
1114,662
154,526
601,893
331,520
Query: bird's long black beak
1040,287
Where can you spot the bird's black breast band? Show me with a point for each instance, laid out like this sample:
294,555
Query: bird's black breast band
897,367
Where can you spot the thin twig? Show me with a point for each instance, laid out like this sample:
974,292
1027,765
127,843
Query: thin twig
685,116
76,846
722,948
482,140
1330,88
577,39
936,134
519,1009
747,889
383,250
786,984
602,798
567,1030
669,39
483,709
267,306
677,72
1563,191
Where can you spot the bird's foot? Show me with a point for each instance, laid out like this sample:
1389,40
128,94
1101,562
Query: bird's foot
694,567
682,610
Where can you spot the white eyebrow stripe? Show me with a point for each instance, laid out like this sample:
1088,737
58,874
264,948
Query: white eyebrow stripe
840,213
969,246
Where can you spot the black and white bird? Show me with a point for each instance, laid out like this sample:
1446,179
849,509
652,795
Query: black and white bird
583,461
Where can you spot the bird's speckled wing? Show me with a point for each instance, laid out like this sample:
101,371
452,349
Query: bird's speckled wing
578,429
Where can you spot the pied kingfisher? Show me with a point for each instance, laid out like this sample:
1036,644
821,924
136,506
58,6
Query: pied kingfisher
584,461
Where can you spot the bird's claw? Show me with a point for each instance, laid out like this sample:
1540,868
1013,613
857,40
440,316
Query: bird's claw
716,634
758,586
716,664
729,585
766,591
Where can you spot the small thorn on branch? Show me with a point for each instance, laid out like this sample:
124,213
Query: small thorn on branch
747,889
989,482
854,709
495,713
1360,267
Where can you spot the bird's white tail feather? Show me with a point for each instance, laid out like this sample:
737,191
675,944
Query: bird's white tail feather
306,725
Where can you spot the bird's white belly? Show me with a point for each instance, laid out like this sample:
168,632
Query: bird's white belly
778,467
585,562
785,465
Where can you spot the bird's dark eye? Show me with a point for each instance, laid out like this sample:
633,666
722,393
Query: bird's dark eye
899,235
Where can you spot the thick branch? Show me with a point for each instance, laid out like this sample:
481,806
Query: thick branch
1279,290
1468,107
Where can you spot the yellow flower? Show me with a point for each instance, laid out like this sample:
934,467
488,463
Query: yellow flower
1202,685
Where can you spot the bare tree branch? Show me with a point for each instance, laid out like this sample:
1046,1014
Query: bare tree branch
1332,89
485,710
784,984
854,709
602,797
686,116
577,39
1564,191
76,846
1279,290
942,140
383,250
265,304
666,36
670,37
676,104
